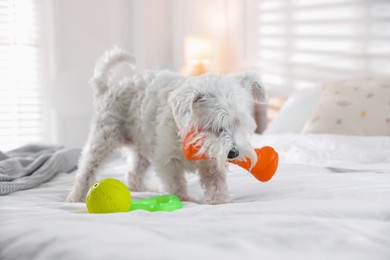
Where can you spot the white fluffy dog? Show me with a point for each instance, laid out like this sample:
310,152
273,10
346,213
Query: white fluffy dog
153,112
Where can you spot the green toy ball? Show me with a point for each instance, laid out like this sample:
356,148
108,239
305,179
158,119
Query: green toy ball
108,196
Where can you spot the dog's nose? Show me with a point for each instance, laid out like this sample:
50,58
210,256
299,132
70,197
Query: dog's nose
233,153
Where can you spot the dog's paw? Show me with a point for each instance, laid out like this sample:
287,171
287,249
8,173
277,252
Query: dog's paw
187,198
215,200
75,197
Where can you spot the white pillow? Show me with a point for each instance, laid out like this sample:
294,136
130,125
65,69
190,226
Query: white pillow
295,112
353,107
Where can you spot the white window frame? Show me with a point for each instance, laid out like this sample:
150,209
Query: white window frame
249,57
36,131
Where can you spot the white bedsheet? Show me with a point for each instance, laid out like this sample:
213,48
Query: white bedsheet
306,211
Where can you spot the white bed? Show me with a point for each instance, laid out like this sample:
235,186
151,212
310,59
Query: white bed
330,199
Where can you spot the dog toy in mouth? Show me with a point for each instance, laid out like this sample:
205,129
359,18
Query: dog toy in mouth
264,169
110,195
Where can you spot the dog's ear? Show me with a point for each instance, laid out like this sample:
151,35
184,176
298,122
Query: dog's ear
252,81
182,102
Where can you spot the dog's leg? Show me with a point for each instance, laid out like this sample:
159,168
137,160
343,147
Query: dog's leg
172,178
101,142
214,183
135,177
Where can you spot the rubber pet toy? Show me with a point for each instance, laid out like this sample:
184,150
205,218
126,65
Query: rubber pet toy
264,169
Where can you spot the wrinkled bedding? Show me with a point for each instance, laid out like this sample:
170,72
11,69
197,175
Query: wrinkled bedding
330,199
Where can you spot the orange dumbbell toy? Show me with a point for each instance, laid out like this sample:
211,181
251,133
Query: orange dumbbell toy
264,169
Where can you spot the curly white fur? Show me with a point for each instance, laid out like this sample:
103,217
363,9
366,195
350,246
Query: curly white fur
153,111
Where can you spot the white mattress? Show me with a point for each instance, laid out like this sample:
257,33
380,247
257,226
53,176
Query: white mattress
307,211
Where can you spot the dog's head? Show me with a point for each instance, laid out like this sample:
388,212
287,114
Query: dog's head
221,108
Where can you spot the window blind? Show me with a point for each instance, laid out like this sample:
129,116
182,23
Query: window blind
308,42
20,98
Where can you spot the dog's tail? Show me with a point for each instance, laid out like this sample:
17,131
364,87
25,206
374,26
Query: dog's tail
103,67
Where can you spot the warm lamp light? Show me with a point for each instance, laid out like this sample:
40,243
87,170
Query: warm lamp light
198,52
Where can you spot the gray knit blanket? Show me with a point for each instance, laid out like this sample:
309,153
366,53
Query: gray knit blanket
31,165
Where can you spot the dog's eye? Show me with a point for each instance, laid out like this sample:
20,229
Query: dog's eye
198,97
220,130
